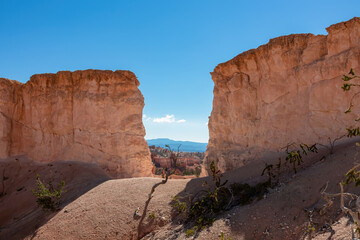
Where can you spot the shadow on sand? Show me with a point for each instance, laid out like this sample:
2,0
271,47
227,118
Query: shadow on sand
285,211
20,214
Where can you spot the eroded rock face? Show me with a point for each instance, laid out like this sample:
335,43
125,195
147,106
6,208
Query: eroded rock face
288,90
92,116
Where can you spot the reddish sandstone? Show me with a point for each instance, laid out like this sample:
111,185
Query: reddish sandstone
288,90
91,116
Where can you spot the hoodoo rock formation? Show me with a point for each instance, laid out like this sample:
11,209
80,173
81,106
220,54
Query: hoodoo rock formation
92,116
288,90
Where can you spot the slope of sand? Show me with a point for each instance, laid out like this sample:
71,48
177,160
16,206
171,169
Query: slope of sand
107,210
19,213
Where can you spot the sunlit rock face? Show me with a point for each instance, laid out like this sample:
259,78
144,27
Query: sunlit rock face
288,90
92,116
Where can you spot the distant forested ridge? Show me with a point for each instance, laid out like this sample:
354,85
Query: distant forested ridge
186,146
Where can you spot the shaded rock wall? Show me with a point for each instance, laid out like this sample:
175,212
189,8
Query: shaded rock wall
288,90
92,116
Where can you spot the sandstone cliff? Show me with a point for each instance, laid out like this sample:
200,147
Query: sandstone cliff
288,90
92,116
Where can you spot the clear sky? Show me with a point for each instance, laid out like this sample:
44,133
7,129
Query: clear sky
171,45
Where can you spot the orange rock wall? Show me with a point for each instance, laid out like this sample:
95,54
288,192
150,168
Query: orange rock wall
92,116
288,90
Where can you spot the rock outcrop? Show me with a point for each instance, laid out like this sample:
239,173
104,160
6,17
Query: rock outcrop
288,90
92,116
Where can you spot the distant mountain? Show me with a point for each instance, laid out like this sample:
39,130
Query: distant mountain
186,146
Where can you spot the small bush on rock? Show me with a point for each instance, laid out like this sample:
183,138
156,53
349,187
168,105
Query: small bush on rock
48,197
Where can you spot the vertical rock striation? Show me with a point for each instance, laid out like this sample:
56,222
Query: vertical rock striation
92,116
288,90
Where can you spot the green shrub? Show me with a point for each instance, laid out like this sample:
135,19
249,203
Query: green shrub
201,209
48,197
180,206
152,216
190,232
223,236
293,158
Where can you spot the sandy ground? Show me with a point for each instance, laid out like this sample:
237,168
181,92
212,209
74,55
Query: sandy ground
96,207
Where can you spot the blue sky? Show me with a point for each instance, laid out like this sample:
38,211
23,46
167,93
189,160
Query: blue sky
170,45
